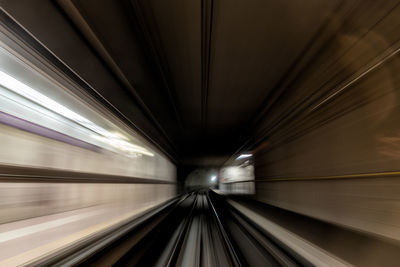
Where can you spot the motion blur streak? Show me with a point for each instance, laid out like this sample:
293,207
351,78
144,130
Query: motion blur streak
68,169
199,133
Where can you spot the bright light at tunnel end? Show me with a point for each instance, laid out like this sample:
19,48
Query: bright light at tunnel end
213,178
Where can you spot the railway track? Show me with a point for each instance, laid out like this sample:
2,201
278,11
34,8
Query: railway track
196,229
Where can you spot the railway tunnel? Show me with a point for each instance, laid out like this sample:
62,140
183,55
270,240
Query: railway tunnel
199,133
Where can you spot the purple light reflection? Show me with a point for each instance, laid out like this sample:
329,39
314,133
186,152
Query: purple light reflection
28,126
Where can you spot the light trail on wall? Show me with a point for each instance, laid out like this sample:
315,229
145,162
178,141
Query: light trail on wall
116,140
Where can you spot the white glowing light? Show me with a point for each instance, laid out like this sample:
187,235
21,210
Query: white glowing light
116,140
213,178
244,156
124,146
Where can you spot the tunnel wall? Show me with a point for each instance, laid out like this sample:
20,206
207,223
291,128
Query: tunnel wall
27,200
344,169
230,178
21,150
369,205
330,145
26,149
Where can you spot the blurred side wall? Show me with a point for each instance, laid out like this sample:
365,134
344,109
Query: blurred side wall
340,162
331,145
26,149
21,200
27,200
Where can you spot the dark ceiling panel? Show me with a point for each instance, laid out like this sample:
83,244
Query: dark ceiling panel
253,44
116,29
179,27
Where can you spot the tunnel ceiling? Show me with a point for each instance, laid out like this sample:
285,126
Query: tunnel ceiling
193,76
